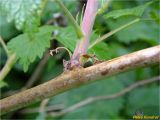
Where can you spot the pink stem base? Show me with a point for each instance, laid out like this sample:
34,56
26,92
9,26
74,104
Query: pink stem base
87,25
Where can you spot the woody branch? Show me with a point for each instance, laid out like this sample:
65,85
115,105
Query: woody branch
79,77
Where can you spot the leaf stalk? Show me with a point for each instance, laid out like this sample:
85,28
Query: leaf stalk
71,18
113,32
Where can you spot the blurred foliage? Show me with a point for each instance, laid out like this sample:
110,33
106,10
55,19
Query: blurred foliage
136,11
149,95
67,37
24,36
3,84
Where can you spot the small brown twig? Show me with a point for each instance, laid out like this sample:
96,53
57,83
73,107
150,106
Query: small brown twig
43,105
47,109
91,100
57,50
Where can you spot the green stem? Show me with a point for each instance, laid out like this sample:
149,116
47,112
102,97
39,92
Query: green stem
104,7
4,46
70,17
8,66
112,32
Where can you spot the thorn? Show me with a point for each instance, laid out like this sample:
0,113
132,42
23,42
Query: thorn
57,51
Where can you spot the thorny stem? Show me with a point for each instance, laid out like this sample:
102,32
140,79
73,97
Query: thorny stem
70,17
87,24
113,32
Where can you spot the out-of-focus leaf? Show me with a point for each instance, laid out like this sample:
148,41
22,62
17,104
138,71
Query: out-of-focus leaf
121,4
155,16
154,12
27,49
7,30
25,13
144,99
67,37
71,5
136,11
41,116
144,73
127,78
117,49
101,50
3,84
53,70
100,109
137,31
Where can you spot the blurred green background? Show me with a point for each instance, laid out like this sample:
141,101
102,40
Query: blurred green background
138,36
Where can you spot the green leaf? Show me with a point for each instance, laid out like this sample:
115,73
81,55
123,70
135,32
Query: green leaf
116,49
67,37
136,11
27,49
52,70
144,99
154,13
3,84
143,30
25,13
101,50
